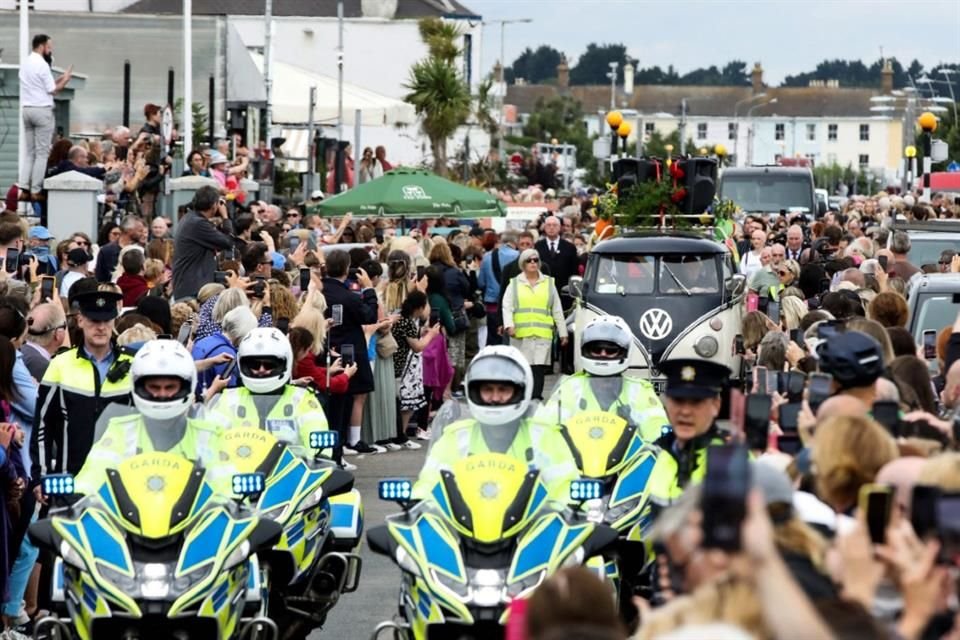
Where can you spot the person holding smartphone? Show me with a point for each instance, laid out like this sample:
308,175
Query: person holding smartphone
693,404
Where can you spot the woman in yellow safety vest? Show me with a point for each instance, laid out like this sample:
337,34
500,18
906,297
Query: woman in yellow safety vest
531,314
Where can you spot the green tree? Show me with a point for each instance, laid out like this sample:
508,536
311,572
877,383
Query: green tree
438,91
534,66
656,75
561,118
200,122
594,64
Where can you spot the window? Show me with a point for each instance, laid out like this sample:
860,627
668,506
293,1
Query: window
864,133
832,132
731,131
831,158
648,128
864,160
811,157
779,131
811,132
702,131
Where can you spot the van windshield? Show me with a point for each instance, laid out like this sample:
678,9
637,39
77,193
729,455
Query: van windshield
768,192
934,312
678,274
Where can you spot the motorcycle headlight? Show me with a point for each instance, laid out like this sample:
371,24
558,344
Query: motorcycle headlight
275,514
312,500
240,554
706,346
70,556
405,562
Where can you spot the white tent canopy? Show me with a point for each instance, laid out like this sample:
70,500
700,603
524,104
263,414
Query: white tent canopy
291,99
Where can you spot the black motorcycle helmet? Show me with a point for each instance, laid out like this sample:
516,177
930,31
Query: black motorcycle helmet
854,359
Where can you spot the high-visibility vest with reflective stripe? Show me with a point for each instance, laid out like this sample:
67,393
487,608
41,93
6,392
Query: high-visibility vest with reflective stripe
532,317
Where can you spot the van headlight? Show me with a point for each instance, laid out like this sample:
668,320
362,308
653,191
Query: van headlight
706,346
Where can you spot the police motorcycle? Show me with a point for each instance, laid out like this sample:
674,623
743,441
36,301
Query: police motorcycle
315,560
609,447
154,553
487,535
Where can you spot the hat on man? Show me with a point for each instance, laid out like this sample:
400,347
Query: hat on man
99,306
40,233
217,158
691,378
78,256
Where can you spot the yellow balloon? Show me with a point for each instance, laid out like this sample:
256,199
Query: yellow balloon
624,129
614,118
720,150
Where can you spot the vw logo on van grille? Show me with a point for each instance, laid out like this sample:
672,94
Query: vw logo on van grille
656,324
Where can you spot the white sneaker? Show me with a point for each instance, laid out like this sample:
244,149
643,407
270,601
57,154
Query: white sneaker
347,451
393,446
378,449
346,466
424,434
413,445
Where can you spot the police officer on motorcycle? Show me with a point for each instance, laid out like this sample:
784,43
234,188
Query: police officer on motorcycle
267,400
499,385
163,375
605,350
693,403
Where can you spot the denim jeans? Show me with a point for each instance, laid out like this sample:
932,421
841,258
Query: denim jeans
20,576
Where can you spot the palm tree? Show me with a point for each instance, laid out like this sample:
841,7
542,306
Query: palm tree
437,90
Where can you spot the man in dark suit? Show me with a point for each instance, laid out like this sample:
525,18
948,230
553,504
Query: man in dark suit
354,311
559,255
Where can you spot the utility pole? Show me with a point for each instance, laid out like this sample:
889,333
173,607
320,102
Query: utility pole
24,52
339,70
311,147
267,75
683,127
187,124
501,80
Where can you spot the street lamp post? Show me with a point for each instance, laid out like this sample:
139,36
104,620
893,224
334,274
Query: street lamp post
953,99
927,122
909,168
750,132
502,93
736,124
614,121
624,131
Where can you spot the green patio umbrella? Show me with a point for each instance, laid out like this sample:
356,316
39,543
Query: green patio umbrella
411,193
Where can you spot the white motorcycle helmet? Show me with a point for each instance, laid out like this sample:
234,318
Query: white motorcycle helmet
269,349
505,365
163,359
605,346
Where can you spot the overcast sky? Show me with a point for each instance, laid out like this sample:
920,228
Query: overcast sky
786,36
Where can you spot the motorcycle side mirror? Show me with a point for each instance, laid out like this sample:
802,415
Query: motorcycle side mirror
736,284
575,287
585,489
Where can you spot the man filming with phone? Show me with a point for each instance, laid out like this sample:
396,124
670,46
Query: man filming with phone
693,404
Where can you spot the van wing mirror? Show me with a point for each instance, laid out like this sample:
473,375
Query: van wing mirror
736,284
575,287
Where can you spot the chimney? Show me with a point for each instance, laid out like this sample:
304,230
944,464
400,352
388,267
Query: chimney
563,73
628,70
498,75
756,78
886,78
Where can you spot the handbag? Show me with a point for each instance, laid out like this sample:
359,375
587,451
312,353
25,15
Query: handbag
478,310
460,321
386,345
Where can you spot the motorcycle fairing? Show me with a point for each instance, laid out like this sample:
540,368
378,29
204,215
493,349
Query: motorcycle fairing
600,439
631,492
346,517
545,546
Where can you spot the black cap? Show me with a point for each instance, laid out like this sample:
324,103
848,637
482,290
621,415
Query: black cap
690,378
853,358
98,306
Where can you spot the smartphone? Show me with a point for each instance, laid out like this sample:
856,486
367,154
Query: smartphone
760,377
883,262
304,278
183,337
756,424
220,277
948,526
887,413
378,236
259,287
789,440
930,345
738,348
795,383
347,355
228,370
876,502
47,283
336,313
12,261
773,311
923,510
819,389
420,272
724,498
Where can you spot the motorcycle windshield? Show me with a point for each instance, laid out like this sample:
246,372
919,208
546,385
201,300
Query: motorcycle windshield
600,439
491,496
154,492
